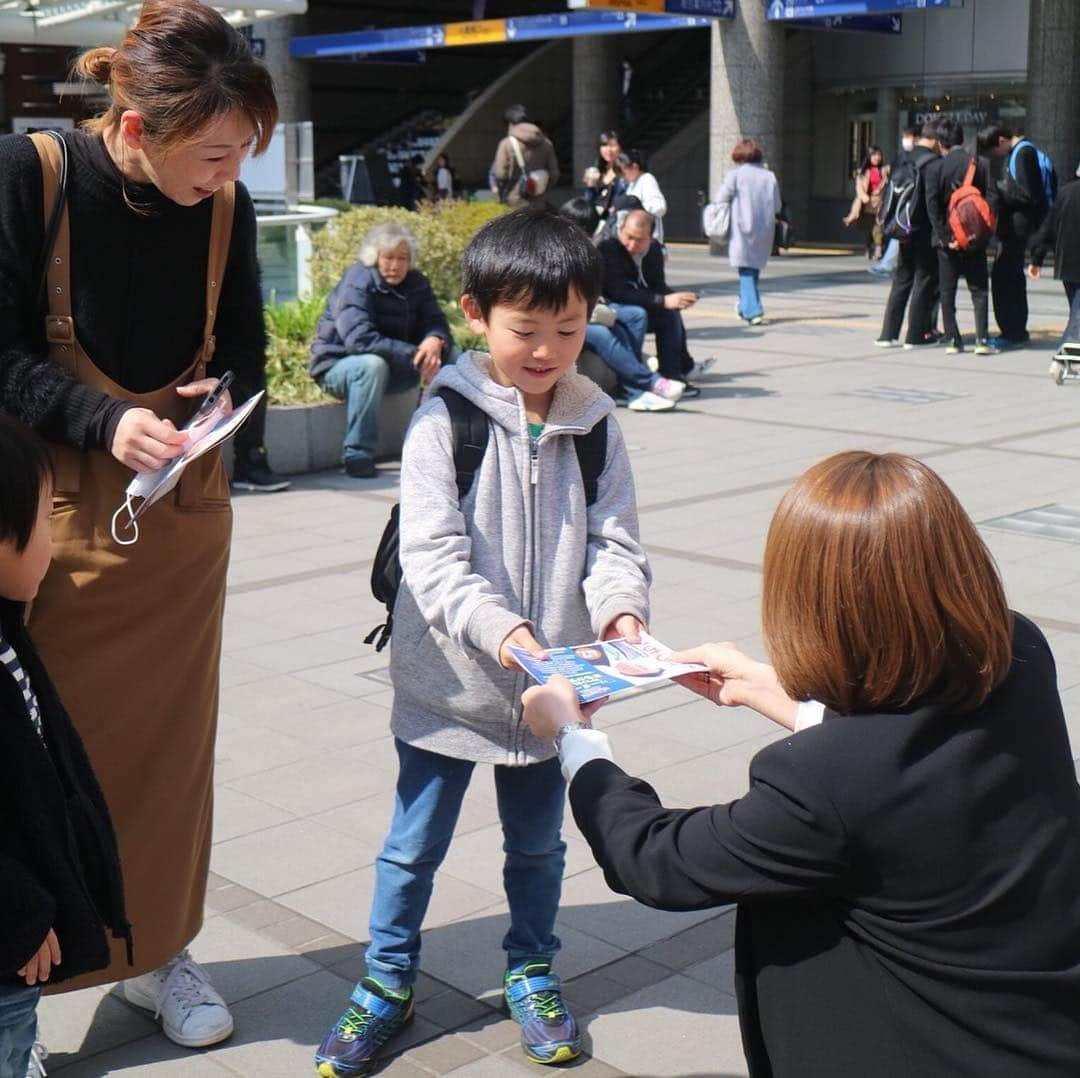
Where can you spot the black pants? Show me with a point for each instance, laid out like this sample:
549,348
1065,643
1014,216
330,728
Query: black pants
250,437
916,277
1010,290
971,265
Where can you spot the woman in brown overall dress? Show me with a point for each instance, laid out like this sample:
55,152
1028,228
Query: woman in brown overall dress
152,291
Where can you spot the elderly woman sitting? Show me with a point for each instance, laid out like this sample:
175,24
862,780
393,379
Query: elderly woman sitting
381,331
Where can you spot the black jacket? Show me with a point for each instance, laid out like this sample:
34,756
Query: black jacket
942,178
59,866
908,885
1023,200
365,315
138,285
622,283
1060,231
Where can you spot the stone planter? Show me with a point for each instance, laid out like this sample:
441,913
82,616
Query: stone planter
307,437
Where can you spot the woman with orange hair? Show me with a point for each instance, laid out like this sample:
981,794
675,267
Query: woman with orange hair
128,284
907,862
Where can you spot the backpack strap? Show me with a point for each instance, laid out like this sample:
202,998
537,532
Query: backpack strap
470,426
969,176
591,451
1015,152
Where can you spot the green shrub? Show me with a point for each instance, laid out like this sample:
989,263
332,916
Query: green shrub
289,329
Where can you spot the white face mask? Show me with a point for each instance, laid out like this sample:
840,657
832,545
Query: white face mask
908,143
142,486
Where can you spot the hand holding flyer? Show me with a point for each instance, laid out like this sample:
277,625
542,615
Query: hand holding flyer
607,667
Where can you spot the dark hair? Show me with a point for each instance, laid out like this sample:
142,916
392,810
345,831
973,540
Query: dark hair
912,131
864,164
877,590
25,471
515,114
631,157
532,257
929,130
581,212
747,152
989,137
180,67
607,137
950,132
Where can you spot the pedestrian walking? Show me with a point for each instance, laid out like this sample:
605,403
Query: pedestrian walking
916,277
906,860
870,179
752,194
1060,233
525,165
153,259
1024,197
944,179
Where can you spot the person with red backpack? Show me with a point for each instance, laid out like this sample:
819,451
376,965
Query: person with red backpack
961,205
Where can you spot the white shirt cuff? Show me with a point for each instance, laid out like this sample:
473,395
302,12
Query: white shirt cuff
578,747
809,713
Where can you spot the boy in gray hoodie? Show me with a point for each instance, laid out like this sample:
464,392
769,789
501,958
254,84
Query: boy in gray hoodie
521,560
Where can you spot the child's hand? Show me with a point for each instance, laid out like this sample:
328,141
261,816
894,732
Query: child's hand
624,625
522,638
40,966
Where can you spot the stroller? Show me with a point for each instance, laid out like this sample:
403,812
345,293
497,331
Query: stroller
1065,366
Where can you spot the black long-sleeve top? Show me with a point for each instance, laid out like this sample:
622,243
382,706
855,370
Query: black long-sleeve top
941,178
138,282
908,884
626,282
1060,233
1023,200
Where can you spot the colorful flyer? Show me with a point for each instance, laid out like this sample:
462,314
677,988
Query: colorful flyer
607,667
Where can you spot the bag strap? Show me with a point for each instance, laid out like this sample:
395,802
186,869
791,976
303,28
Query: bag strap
470,426
591,451
516,147
53,154
969,176
1015,152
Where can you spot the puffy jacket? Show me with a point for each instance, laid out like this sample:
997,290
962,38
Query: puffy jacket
536,151
366,315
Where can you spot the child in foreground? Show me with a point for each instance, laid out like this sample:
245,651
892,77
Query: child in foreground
522,560
59,867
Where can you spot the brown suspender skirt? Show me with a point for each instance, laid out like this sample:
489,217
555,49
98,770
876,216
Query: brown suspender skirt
132,635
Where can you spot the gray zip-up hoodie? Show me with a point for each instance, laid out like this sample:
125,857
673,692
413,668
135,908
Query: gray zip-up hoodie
521,547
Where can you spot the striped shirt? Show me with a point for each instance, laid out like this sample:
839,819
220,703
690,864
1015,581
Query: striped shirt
10,662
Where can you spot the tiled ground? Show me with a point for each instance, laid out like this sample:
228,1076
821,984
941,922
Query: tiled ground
306,766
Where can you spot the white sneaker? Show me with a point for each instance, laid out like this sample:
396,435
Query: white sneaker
650,402
703,366
192,1012
652,362
668,388
38,1054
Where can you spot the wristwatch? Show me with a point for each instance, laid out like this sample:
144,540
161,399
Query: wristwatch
564,730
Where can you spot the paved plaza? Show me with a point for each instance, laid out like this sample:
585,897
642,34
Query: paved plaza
305,763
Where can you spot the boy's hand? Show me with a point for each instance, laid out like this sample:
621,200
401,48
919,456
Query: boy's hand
624,625
40,966
522,638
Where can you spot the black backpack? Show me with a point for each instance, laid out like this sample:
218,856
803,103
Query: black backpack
470,426
903,211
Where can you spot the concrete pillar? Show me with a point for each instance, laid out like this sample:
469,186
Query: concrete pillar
747,88
1053,119
796,165
291,79
595,106
887,123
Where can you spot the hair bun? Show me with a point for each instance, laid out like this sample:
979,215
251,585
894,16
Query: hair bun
96,64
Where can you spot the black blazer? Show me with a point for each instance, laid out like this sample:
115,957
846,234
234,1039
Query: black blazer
1060,231
908,885
942,178
621,281
59,866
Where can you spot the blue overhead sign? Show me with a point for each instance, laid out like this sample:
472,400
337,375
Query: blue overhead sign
521,28
786,10
867,24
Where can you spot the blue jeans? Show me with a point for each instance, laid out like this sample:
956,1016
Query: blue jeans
620,348
749,297
426,807
361,381
18,1027
670,333
1072,328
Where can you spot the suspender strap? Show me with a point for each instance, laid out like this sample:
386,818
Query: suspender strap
59,327
221,223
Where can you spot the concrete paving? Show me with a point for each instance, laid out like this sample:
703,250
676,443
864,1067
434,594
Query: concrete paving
305,764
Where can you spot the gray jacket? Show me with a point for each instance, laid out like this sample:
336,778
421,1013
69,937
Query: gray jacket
754,195
513,552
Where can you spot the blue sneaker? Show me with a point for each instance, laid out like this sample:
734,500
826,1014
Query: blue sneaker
373,1016
533,995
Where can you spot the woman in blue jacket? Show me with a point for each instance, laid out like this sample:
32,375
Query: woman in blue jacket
383,329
